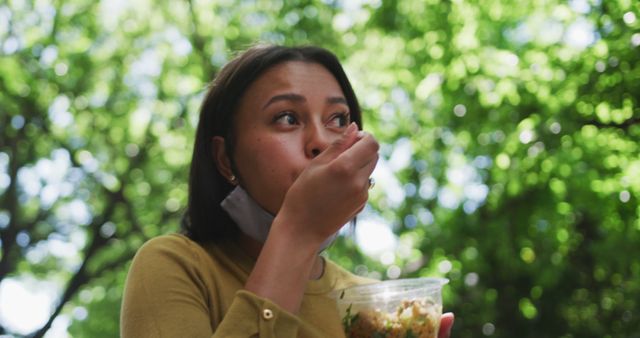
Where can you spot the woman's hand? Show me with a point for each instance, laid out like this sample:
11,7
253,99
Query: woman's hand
446,323
326,194
331,190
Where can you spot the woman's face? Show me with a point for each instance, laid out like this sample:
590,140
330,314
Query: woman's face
289,115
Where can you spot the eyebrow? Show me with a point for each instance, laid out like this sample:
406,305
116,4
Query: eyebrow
299,98
337,99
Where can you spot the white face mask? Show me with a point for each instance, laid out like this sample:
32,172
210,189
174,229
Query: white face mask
252,220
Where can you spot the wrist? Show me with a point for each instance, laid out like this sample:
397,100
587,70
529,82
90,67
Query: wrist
282,269
294,234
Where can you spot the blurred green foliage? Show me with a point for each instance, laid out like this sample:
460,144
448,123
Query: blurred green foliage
520,120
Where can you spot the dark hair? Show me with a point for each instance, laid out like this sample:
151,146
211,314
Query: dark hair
204,219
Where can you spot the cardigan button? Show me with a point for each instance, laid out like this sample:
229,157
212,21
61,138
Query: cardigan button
267,314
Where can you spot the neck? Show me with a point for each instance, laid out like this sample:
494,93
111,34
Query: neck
253,248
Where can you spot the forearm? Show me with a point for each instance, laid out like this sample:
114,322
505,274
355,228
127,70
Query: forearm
283,268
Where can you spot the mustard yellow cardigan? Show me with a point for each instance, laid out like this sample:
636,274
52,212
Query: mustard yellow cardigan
178,288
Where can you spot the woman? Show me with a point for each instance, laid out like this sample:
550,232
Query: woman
278,135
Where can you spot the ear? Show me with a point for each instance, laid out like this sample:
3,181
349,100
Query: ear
221,158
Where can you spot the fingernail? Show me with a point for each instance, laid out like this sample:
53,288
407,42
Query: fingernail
350,129
361,134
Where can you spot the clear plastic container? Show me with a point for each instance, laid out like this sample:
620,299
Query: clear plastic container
405,308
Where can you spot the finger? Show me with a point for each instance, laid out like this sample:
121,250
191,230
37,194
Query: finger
361,153
364,173
446,323
348,138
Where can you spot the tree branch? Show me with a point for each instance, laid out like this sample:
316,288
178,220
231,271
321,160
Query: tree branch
198,43
81,276
624,125
8,235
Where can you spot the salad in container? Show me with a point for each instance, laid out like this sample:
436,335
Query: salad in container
403,308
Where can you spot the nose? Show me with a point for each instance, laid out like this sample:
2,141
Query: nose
317,140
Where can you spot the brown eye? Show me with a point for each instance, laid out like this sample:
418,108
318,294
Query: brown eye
340,120
286,118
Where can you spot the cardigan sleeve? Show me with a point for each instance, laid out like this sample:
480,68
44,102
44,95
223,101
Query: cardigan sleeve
167,295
